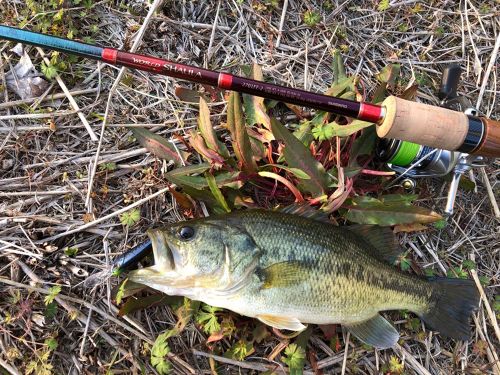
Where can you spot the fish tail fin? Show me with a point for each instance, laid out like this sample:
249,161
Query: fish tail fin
452,303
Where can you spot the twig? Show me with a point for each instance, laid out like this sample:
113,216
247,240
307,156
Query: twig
15,103
489,311
72,102
486,77
247,364
136,44
12,370
346,351
491,195
104,218
212,35
282,22
417,366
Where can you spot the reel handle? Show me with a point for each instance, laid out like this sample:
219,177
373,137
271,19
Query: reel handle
449,82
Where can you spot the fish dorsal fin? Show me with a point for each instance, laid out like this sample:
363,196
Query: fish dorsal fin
377,332
382,239
281,274
281,322
305,210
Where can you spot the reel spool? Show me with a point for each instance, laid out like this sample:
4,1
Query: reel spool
415,160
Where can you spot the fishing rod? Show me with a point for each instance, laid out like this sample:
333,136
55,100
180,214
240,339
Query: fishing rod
396,118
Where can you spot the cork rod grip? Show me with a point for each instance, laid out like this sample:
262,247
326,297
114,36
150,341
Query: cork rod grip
491,142
423,124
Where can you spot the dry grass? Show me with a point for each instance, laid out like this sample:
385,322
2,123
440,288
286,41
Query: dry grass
50,183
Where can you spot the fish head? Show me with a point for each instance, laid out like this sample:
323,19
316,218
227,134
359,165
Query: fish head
202,254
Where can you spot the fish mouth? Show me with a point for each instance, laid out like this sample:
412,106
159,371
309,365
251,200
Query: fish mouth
164,252
164,269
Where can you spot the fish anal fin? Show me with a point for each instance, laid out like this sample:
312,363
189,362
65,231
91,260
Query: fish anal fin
305,210
282,274
281,322
382,240
376,331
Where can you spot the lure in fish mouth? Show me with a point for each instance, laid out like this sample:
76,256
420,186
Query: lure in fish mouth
291,268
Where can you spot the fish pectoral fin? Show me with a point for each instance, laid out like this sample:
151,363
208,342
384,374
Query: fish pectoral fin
377,332
281,274
382,239
281,322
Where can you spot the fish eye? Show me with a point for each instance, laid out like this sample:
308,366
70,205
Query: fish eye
186,233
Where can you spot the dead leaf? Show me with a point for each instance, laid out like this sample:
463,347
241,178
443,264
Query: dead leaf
408,228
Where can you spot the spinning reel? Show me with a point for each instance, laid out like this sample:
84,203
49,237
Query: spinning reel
411,160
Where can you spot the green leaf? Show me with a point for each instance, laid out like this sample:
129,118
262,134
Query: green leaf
304,133
387,78
389,74
383,5
295,171
241,141
158,145
241,349
298,156
49,70
50,310
130,217
311,18
188,95
71,251
135,304
363,145
159,352
51,343
440,224
212,184
121,291
59,15
182,177
207,131
333,129
53,292
468,264
294,356
255,109
111,166
429,272
389,210
405,264
338,68
198,143
207,318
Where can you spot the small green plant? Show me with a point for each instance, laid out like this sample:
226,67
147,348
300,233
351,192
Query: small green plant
294,357
130,217
241,350
109,167
383,5
159,353
311,18
41,365
71,251
457,272
404,262
395,365
208,319
53,292
301,165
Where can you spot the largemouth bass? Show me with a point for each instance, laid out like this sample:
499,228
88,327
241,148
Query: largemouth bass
291,268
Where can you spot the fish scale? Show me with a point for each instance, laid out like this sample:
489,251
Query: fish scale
292,268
